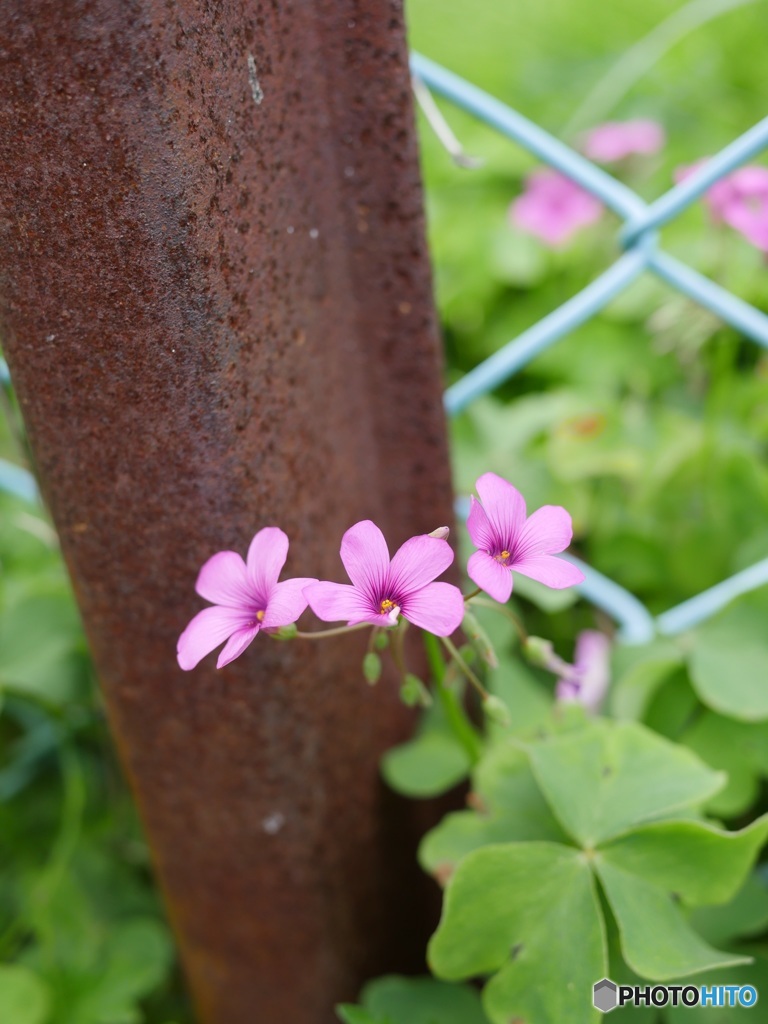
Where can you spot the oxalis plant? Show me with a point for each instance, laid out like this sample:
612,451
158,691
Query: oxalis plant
585,852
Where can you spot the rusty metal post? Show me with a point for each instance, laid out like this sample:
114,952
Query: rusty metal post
215,302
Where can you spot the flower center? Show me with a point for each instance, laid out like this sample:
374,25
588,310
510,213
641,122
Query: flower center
503,557
386,606
260,616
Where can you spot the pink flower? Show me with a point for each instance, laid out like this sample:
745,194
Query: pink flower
616,140
382,589
246,599
739,199
553,207
587,684
507,540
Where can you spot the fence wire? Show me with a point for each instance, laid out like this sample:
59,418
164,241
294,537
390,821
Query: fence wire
640,240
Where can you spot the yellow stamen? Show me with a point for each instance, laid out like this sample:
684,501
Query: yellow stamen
260,616
386,606
503,557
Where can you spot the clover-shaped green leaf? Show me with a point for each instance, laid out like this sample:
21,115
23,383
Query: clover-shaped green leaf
528,913
608,777
508,806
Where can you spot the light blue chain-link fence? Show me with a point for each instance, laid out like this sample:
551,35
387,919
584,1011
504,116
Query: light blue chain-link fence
640,241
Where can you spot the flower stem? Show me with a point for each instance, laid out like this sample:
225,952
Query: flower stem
474,593
454,653
337,631
462,728
502,610
397,647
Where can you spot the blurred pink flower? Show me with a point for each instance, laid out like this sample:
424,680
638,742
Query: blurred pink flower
246,598
553,207
507,540
740,199
587,683
616,140
383,589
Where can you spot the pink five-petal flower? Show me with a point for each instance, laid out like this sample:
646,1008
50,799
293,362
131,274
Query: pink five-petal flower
616,140
382,589
553,207
740,199
246,599
507,540
589,681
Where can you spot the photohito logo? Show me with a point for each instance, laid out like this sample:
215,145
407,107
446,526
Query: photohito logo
607,995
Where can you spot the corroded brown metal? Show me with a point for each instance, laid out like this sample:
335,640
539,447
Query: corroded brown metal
216,306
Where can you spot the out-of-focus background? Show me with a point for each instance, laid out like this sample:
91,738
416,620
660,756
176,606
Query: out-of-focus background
649,423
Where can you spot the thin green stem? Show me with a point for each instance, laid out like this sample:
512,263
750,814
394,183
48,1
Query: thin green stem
503,610
337,631
462,728
398,647
468,597
454,653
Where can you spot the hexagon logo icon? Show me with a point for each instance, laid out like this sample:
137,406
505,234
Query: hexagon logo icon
604,995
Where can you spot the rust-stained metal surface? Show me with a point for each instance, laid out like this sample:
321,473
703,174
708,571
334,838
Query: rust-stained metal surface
216,306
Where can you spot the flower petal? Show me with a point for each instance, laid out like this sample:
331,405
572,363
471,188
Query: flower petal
286,602
335,602
266,557
438,607
479,526
505,507
208,629
492,577
236,644
546,532
552,572
365,556
224,580
420,560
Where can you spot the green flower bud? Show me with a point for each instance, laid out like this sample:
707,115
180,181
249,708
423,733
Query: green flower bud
479,640
372,667
414,692
497,711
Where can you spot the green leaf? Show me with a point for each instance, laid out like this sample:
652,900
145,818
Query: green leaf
737,748
397,1000
695,861
427,765
527,913
509,807
39,640
24,997
744,974
729,661
639,672
656,940
349,1014
135,960
611,776
744,915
